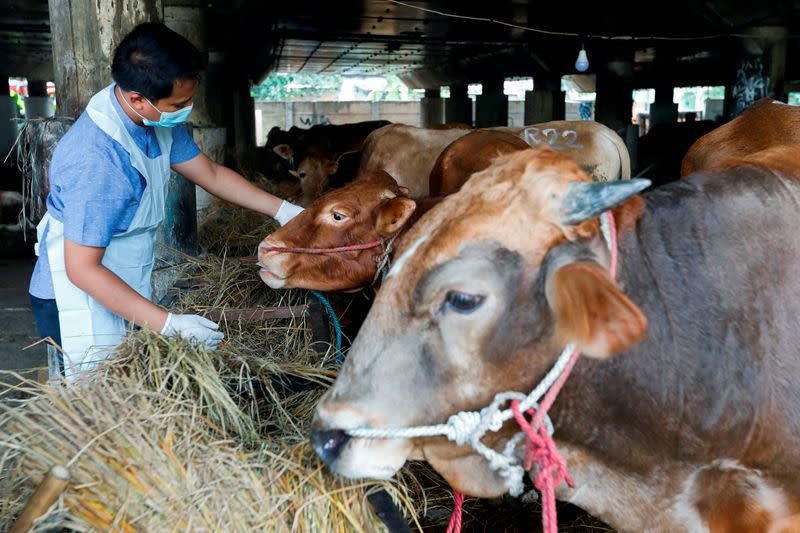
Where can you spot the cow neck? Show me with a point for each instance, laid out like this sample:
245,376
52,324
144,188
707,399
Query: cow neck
384,259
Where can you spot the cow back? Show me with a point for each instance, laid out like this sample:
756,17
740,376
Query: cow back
767,123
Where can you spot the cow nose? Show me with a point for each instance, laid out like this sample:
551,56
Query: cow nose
328,443
266,246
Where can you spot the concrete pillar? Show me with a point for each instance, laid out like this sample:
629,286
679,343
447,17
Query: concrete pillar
543,105
432,108
663,110
614,103
458,108
758,69
212,142
190,22
491,107
84,34
37,103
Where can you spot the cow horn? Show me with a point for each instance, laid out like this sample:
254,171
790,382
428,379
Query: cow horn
585,200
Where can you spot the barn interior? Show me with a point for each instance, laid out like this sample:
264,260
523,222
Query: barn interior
750,49
429,45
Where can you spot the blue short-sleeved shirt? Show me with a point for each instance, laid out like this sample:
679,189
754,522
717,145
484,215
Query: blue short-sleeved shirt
94,189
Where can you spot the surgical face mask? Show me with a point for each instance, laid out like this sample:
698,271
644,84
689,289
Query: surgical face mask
169,119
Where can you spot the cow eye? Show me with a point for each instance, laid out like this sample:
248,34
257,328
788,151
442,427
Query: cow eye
461,302
301,175
338,216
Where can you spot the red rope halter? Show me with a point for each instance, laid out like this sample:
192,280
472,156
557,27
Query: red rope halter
338,249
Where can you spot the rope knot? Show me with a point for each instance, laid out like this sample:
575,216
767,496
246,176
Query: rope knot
462,426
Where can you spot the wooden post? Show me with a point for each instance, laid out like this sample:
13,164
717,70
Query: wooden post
85,34
46,495
318,320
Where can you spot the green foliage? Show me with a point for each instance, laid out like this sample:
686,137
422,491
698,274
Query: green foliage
282,87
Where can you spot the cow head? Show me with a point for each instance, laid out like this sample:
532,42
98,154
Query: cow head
314,173
488,288
371,208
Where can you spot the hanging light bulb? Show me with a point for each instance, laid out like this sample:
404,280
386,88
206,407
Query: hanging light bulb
582,63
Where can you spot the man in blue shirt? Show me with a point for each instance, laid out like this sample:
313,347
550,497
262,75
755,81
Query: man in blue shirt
108,179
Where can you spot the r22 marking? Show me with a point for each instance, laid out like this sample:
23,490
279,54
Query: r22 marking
551,137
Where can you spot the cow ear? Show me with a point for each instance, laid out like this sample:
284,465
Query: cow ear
284,150
592,312
331,167
393,214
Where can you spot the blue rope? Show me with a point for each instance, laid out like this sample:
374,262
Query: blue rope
336,325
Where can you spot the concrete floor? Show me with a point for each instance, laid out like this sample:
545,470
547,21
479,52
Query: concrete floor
17,328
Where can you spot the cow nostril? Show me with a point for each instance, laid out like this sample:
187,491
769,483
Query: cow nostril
266,247
328,444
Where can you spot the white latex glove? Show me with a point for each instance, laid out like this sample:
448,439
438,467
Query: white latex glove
195,328
286,212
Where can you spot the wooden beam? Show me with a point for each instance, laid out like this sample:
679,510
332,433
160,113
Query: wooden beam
85,34
261,315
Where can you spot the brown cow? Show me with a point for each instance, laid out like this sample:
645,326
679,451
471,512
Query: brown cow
689,424
314,172
367,210
311,155
766,123
467,155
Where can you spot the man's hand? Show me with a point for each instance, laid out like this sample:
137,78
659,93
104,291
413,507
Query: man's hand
195,328
286,212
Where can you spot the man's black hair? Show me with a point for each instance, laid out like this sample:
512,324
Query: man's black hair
151,58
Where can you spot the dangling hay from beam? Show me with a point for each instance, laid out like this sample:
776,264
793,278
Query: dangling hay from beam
32,151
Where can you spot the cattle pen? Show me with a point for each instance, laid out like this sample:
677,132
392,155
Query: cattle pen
472,189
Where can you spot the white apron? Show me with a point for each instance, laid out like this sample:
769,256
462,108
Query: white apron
89,332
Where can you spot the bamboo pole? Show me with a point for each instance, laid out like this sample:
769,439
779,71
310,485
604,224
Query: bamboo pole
46,494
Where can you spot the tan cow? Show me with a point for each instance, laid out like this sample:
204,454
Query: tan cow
766,123
683,413
409,153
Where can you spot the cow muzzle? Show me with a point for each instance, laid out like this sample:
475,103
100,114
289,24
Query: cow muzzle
273,265
354,457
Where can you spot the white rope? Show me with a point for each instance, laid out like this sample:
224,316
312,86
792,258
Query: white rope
385,263
605,228
469,427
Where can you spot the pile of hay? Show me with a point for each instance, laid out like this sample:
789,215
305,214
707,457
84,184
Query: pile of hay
168,437
173,441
